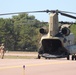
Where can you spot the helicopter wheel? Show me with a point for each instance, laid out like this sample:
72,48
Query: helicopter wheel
73,57
68,57
39,56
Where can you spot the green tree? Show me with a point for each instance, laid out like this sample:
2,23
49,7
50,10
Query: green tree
21,32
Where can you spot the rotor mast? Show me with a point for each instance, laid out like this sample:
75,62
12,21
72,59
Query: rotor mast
53,24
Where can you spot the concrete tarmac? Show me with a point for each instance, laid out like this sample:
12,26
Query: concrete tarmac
37,67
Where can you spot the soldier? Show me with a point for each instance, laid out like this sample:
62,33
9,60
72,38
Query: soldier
2,50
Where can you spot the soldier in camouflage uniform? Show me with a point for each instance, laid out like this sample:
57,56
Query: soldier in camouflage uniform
2,50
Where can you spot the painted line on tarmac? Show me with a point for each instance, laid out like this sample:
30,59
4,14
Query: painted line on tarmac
32,65
49,63
10,67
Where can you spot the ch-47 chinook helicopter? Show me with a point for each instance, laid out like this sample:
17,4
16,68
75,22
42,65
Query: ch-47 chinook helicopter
58,42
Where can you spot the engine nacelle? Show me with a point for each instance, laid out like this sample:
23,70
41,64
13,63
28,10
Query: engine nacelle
65,31
43,31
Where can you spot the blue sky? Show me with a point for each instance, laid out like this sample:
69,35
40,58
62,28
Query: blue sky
8,6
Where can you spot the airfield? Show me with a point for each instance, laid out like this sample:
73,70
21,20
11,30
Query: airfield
35,66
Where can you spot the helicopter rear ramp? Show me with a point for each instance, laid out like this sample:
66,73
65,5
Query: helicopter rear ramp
52,48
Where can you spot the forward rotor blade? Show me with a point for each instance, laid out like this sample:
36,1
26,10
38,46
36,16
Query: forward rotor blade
19,13
25,12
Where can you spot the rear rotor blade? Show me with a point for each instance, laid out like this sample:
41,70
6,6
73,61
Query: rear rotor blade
68,12
67,15
67,22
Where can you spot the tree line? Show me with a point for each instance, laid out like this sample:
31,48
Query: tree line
20,33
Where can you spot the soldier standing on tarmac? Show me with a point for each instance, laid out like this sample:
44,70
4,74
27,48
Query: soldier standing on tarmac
2,50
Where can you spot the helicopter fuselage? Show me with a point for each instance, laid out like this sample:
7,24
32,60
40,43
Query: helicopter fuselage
57,43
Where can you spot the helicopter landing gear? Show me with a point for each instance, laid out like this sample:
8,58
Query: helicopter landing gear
74,57
39,56
68,57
